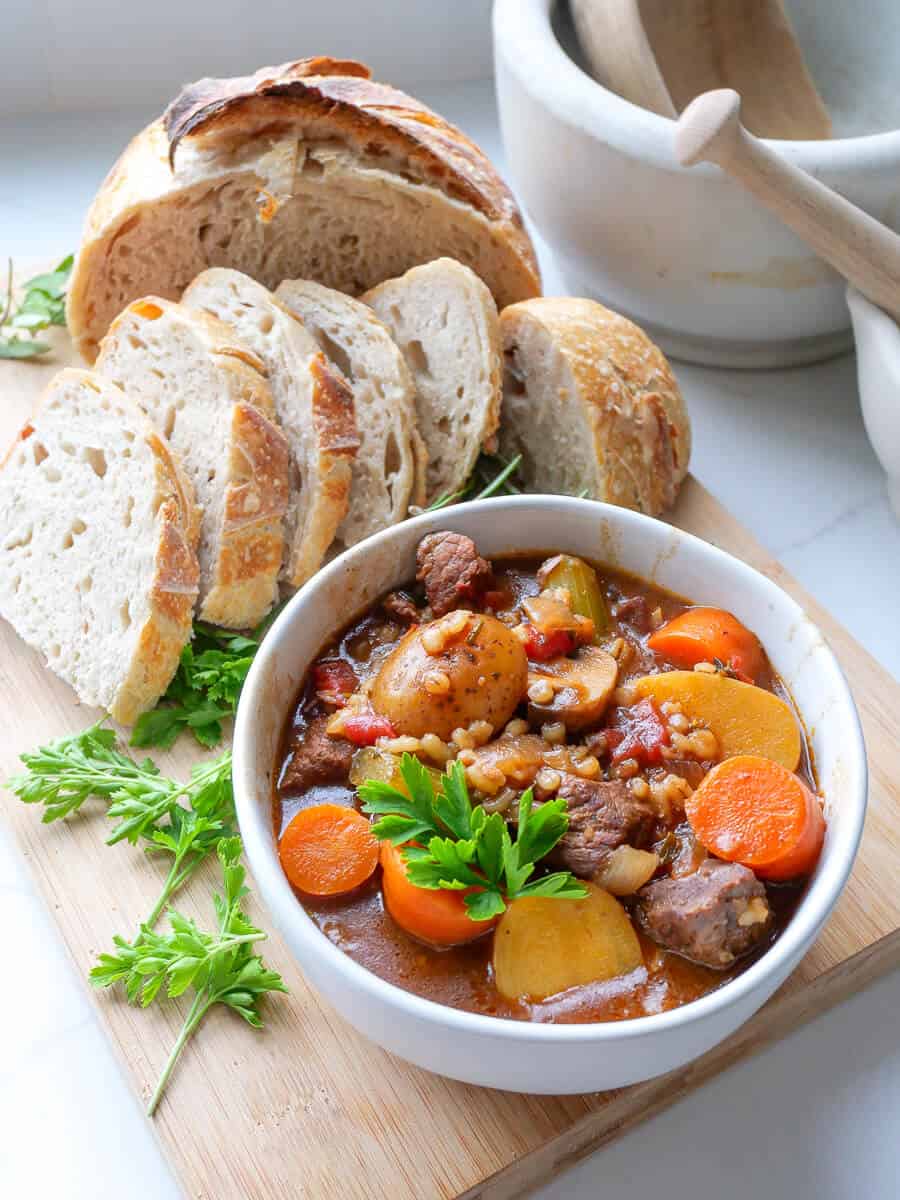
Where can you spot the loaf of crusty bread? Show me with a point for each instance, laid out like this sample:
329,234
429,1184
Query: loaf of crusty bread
97,564
388,471
207,392
313,403
308,170
445,321
592,405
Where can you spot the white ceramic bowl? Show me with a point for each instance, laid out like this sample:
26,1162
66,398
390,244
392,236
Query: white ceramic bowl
514,1054
878,370
686,252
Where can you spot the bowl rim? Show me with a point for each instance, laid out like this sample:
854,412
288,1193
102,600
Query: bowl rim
298,927
548,72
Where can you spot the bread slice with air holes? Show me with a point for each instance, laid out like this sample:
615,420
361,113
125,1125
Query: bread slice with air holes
389,469
445,321
592,405
313,403
98,570
207,393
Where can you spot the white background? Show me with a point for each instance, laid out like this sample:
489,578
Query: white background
816,1116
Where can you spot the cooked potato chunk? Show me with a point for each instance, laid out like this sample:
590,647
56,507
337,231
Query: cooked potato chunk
543,946
575,690
745,719
461,668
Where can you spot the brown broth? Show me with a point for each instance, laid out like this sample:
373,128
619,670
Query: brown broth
461,976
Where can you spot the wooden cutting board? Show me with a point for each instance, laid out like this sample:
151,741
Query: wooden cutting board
308,1107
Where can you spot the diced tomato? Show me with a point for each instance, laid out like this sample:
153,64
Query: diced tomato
334,680
365,728
638,731
541,646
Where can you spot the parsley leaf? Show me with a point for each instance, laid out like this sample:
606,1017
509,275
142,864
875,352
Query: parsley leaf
205,689
43,304
186,820
219,967
463,846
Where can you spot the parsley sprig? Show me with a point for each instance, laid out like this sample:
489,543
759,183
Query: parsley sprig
184,820
43,304
219,967
465,847
491,475
205,688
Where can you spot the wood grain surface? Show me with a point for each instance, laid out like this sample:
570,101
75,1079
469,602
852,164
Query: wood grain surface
307,1107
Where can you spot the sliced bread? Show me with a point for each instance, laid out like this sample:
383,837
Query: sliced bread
592,405
207,393
313,403
388,471
97,564
306,170
445,321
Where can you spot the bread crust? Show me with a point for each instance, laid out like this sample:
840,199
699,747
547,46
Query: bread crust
250,540
209,134
167,629
632,404
251,547
347,331
335,424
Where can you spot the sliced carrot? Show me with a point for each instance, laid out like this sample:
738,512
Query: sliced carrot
705,634
437,917
328,849
754,811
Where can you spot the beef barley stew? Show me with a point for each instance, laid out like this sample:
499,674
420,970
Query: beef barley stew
538,789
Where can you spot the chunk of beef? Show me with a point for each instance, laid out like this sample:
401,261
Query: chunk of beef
452,570
602,816
634,611
316,759
401,607
713,916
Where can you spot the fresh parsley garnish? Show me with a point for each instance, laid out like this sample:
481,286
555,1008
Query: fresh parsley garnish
462,846
205,689
218,968
184,820
43,304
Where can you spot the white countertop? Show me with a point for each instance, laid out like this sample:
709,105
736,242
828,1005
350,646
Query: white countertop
816,1116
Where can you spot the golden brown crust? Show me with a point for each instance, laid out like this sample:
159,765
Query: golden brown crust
201,102
174,591
338,441
333,413
252,541
373,117
640,425
381,126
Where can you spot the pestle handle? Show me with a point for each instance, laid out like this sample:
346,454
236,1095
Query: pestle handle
865,252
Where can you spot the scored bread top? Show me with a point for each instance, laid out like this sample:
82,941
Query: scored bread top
339,96
291,174
313,402
592,405
97,564
207,391
445,321
387,471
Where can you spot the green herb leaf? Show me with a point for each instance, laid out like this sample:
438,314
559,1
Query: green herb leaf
205,689
43,304
219,967
452,804
464,846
